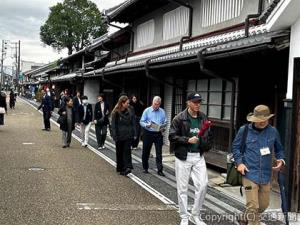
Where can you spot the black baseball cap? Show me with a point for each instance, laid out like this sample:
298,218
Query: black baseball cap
194,97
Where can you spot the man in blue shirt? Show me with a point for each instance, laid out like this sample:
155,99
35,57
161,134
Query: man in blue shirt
153,121
256,163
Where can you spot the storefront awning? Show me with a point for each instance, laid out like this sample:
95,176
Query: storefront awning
212,47
66,77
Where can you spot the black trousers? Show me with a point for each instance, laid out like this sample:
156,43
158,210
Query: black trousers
46,116
136,141
148,139
101,132
123,155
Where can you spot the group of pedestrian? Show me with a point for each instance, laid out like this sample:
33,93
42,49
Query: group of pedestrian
189,139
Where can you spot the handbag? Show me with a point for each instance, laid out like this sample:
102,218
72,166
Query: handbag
234,178
60,120
2,110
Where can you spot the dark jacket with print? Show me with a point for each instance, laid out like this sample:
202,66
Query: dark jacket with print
179,135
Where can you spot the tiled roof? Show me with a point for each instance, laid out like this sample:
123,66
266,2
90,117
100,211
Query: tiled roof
226,42
117,9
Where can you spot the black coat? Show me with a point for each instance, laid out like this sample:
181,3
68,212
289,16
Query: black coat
89,114
76,105
4,105
102,120
3,101
64,124
46,104
123,125
179,135
138,108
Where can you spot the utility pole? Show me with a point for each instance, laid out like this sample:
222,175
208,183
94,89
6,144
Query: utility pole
18,65
3,52
2,59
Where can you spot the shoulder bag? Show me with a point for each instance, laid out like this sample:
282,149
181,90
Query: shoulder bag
234,178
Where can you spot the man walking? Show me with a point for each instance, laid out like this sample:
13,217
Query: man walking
46,106
256,163
153,121
101,120
76,104
189,161
85,111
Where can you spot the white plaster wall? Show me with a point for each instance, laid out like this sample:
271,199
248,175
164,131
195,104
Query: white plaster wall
294,53
168,102
91,90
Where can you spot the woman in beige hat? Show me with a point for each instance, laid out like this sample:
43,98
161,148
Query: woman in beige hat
256,163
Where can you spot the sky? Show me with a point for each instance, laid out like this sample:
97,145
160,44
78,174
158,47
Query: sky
22,19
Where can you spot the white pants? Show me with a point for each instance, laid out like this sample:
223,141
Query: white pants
85,129
194,167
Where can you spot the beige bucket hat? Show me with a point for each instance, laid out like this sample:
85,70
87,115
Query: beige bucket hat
261,113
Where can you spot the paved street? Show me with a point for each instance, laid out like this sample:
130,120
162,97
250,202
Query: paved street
42,183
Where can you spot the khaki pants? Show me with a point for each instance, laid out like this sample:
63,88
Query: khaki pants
257,200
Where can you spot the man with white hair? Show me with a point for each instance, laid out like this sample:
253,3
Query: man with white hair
153,121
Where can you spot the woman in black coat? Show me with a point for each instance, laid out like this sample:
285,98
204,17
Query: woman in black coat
3,105
123,133
67,124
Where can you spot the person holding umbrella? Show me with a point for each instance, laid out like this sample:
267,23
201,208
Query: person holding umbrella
256,163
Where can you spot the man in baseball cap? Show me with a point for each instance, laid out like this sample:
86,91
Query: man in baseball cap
189,151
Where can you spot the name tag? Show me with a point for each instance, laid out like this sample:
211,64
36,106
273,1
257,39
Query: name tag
265,151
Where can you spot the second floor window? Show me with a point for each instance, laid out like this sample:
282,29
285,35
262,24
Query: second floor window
145,34
175,23
216,11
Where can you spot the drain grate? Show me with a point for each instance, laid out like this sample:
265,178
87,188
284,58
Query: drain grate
36,169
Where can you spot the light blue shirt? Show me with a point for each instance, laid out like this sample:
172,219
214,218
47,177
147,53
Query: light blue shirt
157,116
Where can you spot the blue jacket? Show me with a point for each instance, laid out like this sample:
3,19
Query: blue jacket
260,167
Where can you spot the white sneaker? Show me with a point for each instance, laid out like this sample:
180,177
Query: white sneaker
196,220
99,148
184,222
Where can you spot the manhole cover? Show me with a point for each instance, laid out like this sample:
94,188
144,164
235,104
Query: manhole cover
36,169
